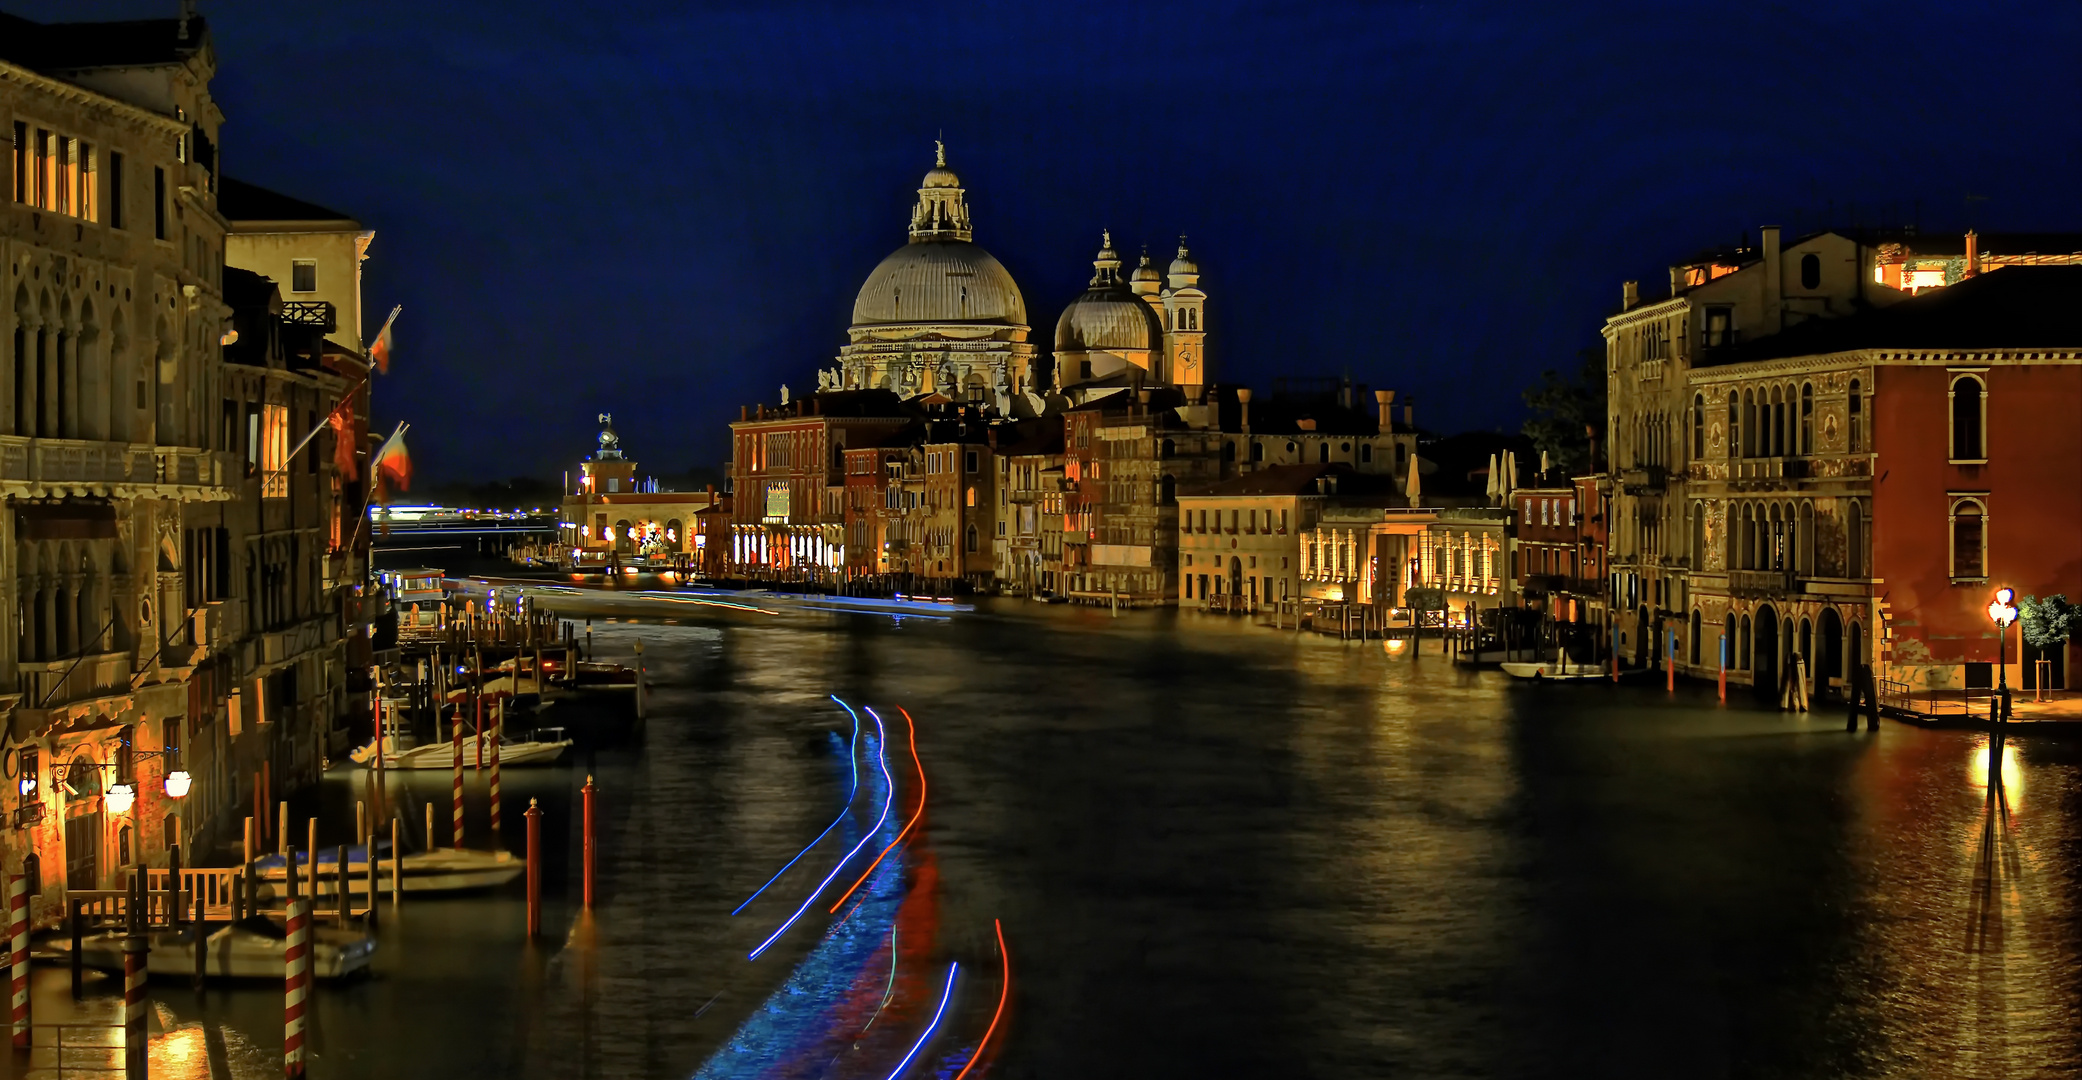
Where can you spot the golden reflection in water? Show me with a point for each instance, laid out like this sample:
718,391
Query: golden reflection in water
181,1053
2012,774
1968,966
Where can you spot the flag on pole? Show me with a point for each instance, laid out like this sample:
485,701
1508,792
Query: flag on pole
392,465
379,353
342,421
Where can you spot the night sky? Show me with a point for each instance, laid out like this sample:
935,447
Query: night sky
663,210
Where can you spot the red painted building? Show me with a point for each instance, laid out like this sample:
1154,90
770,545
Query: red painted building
1865,484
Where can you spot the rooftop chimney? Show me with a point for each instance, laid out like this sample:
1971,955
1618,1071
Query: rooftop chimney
1973,254
1774,281
1386,400
1676,279
1243,400
1409,415
1629,295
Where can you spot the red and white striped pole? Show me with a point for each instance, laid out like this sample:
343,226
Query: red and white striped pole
18,954
459,783
479,731
498,732
134,947
296,972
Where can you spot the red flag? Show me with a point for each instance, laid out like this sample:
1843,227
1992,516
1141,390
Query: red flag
379,353
392,463
342,421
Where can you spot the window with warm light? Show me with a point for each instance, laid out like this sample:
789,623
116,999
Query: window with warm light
274,452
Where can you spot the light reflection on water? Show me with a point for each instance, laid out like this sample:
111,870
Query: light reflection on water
1241,851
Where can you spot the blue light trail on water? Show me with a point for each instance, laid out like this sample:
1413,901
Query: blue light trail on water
853,756
889,797
801,1024
927,1034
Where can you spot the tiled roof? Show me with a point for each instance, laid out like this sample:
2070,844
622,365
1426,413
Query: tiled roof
2016,307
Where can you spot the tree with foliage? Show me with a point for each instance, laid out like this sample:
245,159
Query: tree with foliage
1563,407
2046,623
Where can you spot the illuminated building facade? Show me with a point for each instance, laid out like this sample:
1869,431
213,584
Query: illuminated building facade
788,480
181,585
611,518
1860,488
1254,540
1719,301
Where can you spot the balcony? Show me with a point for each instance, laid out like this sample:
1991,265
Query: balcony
316,314
47,684
1768,469
1760,584
1643,479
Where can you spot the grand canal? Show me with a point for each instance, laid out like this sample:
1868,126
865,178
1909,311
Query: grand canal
1217,850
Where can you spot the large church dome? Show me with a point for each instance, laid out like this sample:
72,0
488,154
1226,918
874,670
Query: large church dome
940,281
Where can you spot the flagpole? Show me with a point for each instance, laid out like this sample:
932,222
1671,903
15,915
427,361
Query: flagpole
327,422
375,481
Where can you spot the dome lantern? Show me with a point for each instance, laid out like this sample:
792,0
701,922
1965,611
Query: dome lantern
1184,271
941,213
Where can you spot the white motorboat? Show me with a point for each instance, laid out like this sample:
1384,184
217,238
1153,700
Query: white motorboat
247,949
437,871
1562,668
513,753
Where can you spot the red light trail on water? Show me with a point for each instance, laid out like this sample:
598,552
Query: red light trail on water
1004,992
912,726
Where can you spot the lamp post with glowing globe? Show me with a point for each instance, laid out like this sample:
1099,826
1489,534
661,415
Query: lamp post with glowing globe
2002,611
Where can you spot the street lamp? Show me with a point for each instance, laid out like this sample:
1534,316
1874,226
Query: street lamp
2002,611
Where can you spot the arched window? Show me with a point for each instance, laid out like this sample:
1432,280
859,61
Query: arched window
1749,424
1733,446
1694,637
1323,452
972,539
1777,438
1969,411
1807,419
1742,645
1857,417
1969,540
1257,450
1727,644
1698,539
1810,271
1698,426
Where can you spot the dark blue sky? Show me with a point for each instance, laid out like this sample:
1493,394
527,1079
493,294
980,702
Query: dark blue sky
663,210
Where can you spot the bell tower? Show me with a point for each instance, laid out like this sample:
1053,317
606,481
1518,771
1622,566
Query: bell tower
1185,335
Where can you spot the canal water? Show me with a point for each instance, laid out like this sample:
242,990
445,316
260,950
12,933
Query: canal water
1219,850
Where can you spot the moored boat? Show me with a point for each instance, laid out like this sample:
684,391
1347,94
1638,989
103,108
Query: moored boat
248,949
437,871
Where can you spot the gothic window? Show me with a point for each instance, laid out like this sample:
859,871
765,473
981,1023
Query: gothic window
1698,426
1734,447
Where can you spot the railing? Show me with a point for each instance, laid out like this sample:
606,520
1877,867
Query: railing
73,461
1760,583
313,313
191,466
58,1050
58,682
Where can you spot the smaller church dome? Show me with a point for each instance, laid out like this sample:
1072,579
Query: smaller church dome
1145,271
1184,267
941,178
1107,320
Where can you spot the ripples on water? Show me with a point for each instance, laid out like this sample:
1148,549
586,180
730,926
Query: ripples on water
1232,852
